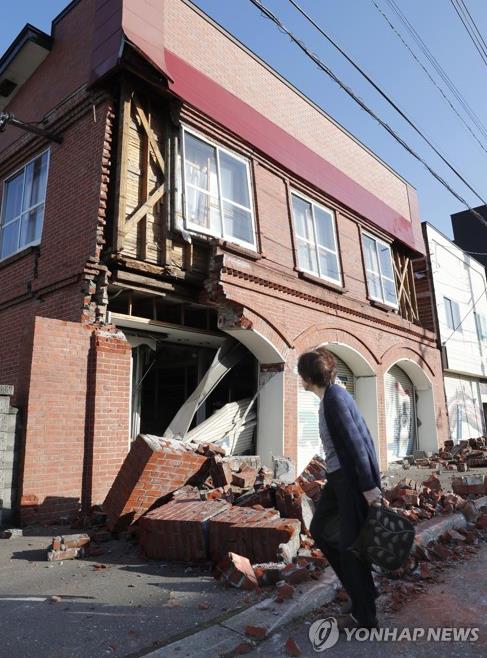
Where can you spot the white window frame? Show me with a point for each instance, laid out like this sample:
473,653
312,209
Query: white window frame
481,326
381,276
196,228
314,243
452,326
23,212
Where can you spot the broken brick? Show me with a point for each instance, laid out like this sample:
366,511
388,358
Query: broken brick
292,648
259,632
295,573
73,541
11,533
469,484
178,530
258,535
68,554
293,503
245,478
221,473
433,482
440,551
284,592
268,574
153,468
482,522
236,570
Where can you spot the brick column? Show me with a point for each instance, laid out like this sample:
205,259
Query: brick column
9,455
108,428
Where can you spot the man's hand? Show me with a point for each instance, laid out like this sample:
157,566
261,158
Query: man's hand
372,496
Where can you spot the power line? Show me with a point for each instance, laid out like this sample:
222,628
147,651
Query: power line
268,14
437,67
474,25
477,42
386,98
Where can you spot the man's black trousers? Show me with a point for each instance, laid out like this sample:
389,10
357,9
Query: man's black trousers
339,499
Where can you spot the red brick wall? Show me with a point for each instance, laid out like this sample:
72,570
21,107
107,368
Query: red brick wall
76,434
111,410
66,69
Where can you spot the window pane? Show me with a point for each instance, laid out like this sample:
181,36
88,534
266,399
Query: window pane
13,198
203,210
448,313
234,180
385,260
324,228
371,262
307,257
238,223
31,227
10,239
35,182
303,218
201,165
373,281
389,291
329,265
456,315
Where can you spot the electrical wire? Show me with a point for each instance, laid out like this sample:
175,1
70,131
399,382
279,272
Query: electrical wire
392,103
477,42
433,61
272,17
438,68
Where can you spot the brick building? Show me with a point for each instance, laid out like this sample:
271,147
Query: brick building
196,196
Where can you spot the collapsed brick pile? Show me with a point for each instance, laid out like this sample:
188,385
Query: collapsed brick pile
190,502
468,453
422,501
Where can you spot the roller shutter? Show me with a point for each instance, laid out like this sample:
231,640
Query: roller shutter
400,408
309,442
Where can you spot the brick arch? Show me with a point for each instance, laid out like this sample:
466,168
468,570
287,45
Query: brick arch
317,335
396,353
238,321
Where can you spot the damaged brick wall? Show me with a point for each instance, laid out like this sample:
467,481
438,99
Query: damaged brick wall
77,418
9,455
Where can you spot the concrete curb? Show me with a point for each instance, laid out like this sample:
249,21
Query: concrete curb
226,635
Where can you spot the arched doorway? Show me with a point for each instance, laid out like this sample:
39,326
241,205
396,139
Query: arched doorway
356,375
409,410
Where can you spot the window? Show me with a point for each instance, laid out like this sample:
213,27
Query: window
24,195
452,311
316,242
217,192
481,325
378,266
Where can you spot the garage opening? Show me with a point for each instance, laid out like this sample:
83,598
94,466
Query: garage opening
401,419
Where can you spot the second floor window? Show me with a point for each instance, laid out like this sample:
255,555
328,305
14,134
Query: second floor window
481,325
452,311
22,216
217,192
316,241
379,270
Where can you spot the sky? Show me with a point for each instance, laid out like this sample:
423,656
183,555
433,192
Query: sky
363,33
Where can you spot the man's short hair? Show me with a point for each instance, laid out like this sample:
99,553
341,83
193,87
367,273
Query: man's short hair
318,367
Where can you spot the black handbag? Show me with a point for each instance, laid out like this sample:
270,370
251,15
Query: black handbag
385,539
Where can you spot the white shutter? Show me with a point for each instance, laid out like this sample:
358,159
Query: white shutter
345,376
400,403
309,442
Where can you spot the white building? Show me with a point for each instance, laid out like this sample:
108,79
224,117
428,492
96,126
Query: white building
460,301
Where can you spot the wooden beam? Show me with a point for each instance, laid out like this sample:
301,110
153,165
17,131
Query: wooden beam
145,121
122,167
142,210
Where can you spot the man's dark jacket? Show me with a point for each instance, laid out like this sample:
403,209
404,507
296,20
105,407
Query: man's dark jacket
350,436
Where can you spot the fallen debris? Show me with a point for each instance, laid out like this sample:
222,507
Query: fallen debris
292,648
11,533
236,571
